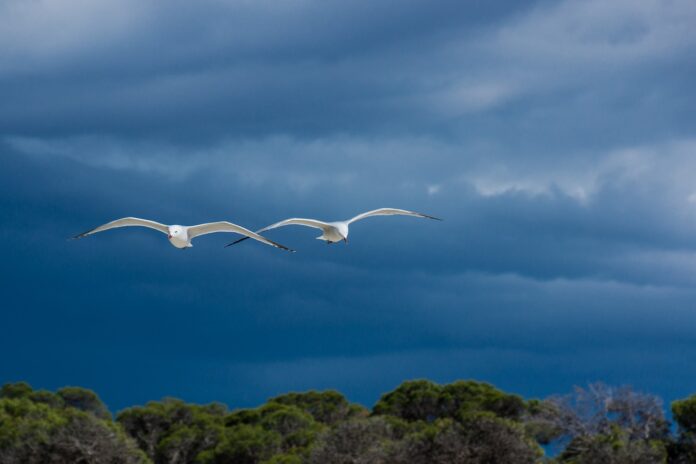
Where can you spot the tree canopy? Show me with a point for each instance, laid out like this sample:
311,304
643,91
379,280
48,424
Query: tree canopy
418,422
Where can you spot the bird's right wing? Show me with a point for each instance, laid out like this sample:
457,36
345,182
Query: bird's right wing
287,222
390,212
126,222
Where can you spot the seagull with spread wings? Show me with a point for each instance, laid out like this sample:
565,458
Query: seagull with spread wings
181,236
333,232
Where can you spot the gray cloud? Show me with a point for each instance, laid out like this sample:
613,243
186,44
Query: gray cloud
229,68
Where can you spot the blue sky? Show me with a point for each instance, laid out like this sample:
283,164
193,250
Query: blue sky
556,139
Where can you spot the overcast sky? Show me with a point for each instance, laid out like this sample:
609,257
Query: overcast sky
556,139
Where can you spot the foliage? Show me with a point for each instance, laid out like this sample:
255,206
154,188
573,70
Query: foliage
356,441
243,444
428,401
606,424
614,447
35,428
684,412
418,422
292,429
328,407
483,438
84,400
172,431
684,448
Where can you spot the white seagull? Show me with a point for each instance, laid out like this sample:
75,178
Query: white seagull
181,236
333,232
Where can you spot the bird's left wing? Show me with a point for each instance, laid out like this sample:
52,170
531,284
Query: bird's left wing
126,222
224,226
390,212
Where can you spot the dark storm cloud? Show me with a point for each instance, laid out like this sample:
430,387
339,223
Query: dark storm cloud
307,68
217,67
439,287
554,138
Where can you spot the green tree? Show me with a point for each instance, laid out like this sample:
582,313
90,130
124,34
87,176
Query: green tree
16,390
243,444
412,400
295,429
683,450
614,447
427,401
684,412
35,432
356,441
481,438
327,407
84,400
172,431
24,390
464,397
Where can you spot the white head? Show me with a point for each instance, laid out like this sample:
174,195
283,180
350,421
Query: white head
176,232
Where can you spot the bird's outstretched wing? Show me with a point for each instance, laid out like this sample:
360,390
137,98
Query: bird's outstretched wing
296,221
224,226
390,212
126,222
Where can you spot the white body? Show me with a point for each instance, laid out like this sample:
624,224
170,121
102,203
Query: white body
178,236
334,232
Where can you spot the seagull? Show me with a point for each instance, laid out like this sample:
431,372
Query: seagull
181,236
333,232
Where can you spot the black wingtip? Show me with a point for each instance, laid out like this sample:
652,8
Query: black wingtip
282,247
431,217
236,241
79,236
82,235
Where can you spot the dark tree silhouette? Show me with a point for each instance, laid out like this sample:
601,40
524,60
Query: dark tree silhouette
419,422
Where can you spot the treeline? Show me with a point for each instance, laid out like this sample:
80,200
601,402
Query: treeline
418,422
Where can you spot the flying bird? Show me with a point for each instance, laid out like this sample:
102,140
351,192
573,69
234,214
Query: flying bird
333,232
181,236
